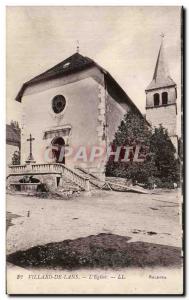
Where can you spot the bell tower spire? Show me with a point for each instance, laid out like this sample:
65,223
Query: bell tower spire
161,95
161,76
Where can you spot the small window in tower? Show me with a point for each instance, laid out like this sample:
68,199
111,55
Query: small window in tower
164,98
156,99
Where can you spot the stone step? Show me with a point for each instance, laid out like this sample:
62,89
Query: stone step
68,185
94,181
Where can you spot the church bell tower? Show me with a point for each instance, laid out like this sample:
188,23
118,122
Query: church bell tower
161,96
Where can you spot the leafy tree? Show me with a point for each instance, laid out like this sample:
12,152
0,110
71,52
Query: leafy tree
16,158
15,125
135,132
164,156
133,129
159,166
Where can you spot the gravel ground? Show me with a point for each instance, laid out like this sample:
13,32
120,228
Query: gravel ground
147,218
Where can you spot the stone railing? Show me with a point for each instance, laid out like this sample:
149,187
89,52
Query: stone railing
78,179
67,172
17,168
42,168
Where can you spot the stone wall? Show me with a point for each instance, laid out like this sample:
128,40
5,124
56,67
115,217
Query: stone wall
115,114
172,96
165,115
91,114
48,179
81,114
174,140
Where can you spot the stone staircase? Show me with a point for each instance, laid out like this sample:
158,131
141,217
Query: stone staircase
95,182
73,180
67,185
70,179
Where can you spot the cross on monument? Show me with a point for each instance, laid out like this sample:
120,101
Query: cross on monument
30,158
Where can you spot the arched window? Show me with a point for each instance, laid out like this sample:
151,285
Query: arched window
156,99
164,98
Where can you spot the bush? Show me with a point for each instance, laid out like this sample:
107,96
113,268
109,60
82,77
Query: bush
160,166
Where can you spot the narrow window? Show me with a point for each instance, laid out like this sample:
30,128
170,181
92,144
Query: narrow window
156,99
164,98
176,93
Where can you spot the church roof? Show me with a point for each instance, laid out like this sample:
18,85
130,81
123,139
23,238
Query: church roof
161,77
12,135
76,62
73,64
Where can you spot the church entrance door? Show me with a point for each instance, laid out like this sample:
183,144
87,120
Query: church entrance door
58,150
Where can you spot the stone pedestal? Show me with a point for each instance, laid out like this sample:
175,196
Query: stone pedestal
29,164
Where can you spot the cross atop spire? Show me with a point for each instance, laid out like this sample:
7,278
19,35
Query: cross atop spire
161,77
77,48
161,70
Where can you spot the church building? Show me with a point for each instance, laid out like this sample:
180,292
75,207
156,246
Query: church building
75,103
161,98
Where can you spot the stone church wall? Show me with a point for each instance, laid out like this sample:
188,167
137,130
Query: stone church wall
174,140
115,113
165,115
92,115
171,96
84,94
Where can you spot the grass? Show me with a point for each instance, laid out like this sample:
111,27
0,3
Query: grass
98,251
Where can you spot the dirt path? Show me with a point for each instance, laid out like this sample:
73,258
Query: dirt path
147,218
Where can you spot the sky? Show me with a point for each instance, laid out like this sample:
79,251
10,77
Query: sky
123,40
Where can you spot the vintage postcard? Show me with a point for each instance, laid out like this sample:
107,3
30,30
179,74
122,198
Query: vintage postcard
94,150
